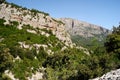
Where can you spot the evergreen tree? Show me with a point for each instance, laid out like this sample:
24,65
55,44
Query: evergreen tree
112,43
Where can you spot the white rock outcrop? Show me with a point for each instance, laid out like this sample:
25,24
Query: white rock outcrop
36,76
112,75
10,74
81,28
39,20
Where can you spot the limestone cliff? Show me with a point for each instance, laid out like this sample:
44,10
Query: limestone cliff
82,32
34,18
76,27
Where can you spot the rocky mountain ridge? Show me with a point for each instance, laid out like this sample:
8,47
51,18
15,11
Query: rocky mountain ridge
37,33
34,18
35,46
60,27
84,29
85,34
32,37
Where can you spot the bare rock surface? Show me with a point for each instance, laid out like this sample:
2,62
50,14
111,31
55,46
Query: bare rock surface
112,75
38,20
84,29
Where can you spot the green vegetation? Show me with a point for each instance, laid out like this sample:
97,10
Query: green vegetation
68,64
15,6
89,43
37,11
11,36
73,64
2,1
112,43
60,22
34,12
5,59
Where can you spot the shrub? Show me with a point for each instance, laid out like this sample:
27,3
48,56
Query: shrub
36,11
2,1
6,60
2,22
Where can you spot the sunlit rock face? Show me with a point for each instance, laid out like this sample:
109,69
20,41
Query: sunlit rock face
76,27
40,20
112,75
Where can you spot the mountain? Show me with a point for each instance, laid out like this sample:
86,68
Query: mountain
83,33
35,46
35,18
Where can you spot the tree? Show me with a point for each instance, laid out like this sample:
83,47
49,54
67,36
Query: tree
2,22
6,60
116,30
112,43
2,1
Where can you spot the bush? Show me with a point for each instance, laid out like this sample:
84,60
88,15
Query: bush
36,11
6,59
2,22
2,1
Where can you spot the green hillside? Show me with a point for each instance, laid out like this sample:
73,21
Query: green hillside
27,51
68,64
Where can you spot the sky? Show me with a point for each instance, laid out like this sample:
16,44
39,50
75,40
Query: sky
105,13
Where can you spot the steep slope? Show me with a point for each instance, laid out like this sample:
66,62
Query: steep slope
35,18
34,46
83,33
22,52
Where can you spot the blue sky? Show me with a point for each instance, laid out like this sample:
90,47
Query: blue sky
105,13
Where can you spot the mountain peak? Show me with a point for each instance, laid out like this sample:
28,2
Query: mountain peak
82,28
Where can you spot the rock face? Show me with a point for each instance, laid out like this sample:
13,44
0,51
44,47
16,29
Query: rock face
113,75
83,33
41,20
76,27
36,19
